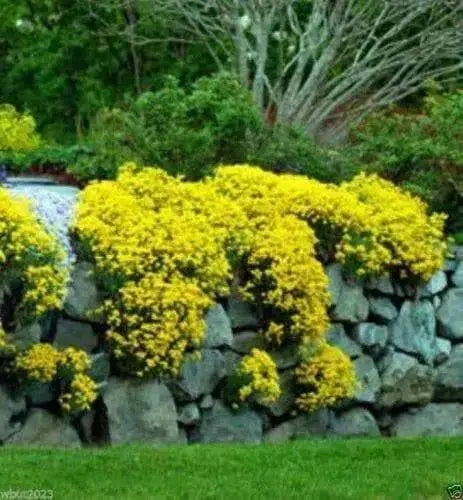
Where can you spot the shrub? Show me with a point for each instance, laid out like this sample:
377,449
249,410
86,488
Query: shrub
44,363
325,376
30,258
419,150
258,377
17,131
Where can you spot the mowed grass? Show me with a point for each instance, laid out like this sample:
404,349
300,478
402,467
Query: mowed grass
317,469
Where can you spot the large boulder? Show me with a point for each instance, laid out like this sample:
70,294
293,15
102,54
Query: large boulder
444,346
372,337
140,411
435,419
83,297
368,380
199,377
223,425
286,356
44,429
354,422
449,378
308,426
337,336
351,306
75,334
9,408
383,309
449,315
218,328
414,331
189,414
405,381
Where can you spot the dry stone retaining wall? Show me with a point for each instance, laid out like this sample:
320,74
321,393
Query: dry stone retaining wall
407,346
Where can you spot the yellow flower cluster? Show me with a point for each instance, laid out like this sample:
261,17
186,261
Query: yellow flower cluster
44,363
287,281
327,376
164,249
17,131
80,395
368,224
29,252
260,372
39,363
153,323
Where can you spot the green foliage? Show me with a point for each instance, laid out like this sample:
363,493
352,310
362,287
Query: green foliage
420,150
183,133
17,131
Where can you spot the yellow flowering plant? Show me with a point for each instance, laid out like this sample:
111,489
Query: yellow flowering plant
30,254
17,131
325,375
43,363
257,377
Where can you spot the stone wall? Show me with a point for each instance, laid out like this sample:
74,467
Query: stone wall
407,346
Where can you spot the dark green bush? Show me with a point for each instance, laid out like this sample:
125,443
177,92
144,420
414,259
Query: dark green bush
421,150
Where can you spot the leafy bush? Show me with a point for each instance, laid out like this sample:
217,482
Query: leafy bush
422,151
190,133
17,131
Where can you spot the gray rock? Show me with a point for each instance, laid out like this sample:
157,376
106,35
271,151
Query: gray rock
414,331
9,407
404,290
199,377
337,336
241,314
435,285
354,422
222,425
308,426
457,251
449,378
83,295
352,306
383,309
75,334
449,315
140,411
189,414
368,380
287,398
245,341
457,276
26,335
285,356
435,419
218,330
231,361
383,285
206,402
372,337
436,302
100,368
39,393
44,429
444,347
335,281
405,381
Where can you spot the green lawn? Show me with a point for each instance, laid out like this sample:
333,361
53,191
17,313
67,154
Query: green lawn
305,469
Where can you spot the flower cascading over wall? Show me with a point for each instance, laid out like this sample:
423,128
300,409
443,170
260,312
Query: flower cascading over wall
164,250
